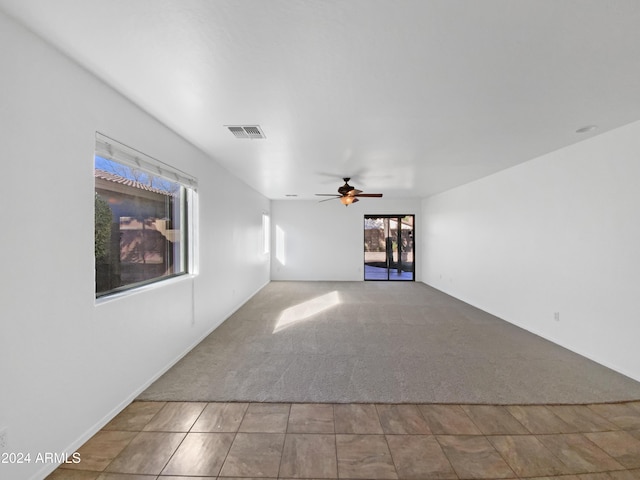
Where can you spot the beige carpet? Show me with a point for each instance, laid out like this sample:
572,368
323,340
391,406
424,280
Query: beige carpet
380,342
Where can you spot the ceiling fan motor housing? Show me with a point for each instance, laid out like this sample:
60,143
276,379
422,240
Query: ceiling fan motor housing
346,188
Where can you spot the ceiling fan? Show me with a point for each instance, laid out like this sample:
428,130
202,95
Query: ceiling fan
348,194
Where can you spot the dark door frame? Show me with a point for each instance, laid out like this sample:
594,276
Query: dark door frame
388,246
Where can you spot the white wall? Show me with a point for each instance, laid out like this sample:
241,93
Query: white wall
560,233
324,241
67,365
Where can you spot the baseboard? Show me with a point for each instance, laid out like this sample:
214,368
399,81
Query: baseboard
568,346
197,341
579,351
90,432
49,468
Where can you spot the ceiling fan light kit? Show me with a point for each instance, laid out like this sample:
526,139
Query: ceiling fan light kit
348,194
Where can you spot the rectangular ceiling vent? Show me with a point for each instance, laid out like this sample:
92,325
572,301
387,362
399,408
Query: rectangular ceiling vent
246,131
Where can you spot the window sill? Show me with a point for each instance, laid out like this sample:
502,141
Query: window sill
143,288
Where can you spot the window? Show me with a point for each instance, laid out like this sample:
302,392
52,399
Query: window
143,219
266,233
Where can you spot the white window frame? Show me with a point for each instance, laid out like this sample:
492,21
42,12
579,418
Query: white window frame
111,149
266,233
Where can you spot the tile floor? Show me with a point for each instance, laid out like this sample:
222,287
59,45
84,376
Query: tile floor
187,440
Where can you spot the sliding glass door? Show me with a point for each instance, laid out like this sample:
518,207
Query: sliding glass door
388,247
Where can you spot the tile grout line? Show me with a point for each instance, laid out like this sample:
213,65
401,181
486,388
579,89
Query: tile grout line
235,434
438,441
183,438
501,456
284,441
386,441
138,432
335,438
487,437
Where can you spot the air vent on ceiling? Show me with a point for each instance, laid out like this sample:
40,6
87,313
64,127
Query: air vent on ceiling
246,131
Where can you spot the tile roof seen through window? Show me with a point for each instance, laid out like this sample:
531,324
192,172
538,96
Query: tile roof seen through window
112,177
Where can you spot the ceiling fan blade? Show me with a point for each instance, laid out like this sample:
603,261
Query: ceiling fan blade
327,199
348,194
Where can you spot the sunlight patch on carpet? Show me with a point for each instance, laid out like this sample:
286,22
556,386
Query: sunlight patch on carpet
306,310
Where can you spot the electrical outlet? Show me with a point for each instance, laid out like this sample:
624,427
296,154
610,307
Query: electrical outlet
4,443
556,316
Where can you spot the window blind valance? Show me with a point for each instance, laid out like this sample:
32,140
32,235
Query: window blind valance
113,150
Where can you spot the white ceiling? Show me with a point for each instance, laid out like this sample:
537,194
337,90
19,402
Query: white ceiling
409,98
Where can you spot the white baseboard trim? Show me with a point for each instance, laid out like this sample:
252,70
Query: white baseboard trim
95,428
561,343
